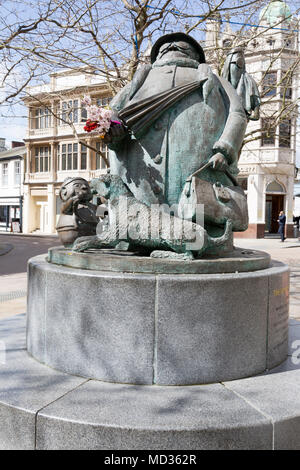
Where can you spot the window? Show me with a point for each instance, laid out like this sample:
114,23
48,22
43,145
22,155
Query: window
270,42
289,43
286,86
72,156
83,150
4,174
285,134
17,173
83,113
62,157
64,112
69,157
268,132
274,187
69,111
100,163
269,83
42,159
103,101
3,213
99,102
42,118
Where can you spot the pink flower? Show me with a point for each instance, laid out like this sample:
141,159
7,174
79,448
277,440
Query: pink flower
86,101
93,113
106,114
99,119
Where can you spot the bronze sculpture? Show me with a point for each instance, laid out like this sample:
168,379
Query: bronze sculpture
234,71
180,125
78,214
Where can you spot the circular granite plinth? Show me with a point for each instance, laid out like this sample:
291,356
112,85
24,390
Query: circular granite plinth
164,329
240,260
41,408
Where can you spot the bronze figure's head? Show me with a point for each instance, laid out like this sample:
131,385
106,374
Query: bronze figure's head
176,46
75,187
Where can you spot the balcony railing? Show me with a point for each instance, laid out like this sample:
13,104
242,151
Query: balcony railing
61,175
38,177
48,131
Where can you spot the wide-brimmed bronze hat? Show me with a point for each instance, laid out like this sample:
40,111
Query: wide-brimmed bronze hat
70,179
177,37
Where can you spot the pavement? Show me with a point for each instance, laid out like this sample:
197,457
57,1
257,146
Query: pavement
13,287
287,252
13,291
15,250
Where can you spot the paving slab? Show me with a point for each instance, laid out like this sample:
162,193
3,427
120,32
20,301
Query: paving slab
98,415
45,409
277,396
13,282
12,333
13,307
26,387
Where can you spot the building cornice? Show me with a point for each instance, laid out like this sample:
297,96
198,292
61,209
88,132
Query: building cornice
15,153
7,159
58,138
43,96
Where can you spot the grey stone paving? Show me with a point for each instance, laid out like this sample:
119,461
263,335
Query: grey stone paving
16,294
41,408
295,291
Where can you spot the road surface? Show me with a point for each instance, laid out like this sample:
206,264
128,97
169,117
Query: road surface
23,248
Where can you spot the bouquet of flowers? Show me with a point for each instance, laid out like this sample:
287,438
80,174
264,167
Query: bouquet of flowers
99,118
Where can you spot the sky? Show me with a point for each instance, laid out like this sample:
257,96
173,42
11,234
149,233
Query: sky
13,126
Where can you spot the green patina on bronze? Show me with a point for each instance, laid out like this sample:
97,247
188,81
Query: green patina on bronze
128,262
180,134
155,159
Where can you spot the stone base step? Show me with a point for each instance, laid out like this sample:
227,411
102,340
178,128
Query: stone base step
41,408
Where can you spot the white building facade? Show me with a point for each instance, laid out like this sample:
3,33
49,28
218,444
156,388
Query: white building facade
57,145
267,162
11,188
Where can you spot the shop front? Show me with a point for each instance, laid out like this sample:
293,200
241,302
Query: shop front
11,218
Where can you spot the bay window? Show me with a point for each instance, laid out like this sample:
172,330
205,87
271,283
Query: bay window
42,118
42,159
